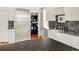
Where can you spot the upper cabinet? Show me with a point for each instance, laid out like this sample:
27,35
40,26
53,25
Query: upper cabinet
71,13
59,10
11,12
52,12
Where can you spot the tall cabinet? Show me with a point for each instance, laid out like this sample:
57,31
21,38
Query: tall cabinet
22,24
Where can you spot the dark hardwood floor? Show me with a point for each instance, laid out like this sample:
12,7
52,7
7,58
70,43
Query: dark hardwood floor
38,45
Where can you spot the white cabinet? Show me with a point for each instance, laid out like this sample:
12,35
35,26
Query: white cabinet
59,10
11,12
22,25
71,13
53,34
50,14
67,39
11,32
11,36
44,33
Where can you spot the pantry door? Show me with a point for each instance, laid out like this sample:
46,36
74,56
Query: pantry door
22,25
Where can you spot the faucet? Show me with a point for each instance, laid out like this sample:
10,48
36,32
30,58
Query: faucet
56,26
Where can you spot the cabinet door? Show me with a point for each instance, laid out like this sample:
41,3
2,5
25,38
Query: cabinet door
71,13
22,25
59,10
53,34
50,14
11,12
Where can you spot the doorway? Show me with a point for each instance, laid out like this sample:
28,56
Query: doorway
34,26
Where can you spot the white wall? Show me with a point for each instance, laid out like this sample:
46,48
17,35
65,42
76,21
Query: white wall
71,13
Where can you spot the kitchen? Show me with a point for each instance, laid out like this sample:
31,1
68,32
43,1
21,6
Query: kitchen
45,23
67,29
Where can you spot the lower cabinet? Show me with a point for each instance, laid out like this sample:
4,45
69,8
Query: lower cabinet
64,38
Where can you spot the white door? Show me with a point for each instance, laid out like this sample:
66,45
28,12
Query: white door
22,25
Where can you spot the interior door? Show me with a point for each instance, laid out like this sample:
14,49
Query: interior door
22,25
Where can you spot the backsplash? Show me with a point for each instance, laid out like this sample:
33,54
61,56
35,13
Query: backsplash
69,27
72,27
55,25
52,24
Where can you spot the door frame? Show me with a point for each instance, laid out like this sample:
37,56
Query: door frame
30,21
